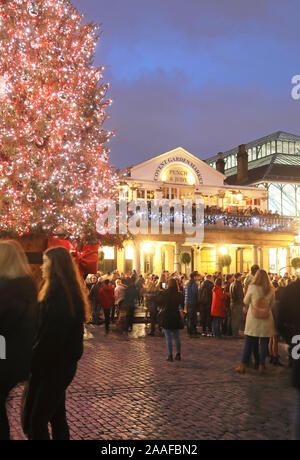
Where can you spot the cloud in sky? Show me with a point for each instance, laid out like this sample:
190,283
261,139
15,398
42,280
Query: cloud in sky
203,74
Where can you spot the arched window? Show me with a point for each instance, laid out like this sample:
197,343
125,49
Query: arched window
289,200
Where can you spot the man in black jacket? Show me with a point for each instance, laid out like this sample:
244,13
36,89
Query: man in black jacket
236,304
205,301
227,329
289,327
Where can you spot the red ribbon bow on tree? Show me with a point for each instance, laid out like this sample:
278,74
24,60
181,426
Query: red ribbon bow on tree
86,259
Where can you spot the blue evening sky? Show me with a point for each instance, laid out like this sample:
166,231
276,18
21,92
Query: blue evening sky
205,75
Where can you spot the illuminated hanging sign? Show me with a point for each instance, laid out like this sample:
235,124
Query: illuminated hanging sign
178,175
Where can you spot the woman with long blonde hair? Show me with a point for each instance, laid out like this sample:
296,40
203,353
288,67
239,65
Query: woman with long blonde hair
260,327
58,348
18,322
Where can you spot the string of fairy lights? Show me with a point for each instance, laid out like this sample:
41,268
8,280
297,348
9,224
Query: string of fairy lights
53,148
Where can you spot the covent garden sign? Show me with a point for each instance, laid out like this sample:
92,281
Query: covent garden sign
178,173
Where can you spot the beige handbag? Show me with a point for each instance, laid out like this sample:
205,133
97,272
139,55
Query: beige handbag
262,308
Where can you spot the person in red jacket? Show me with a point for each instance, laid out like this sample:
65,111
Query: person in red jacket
107,301
218,308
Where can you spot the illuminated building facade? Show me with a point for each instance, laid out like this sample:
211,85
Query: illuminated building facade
273,164
232,224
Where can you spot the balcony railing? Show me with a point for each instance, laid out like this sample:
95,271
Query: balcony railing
256,223
228,221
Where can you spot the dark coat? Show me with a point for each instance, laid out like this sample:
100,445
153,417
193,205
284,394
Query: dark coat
59,341
131,296
206,293
18,325
288,324
236,293
171,300
191,293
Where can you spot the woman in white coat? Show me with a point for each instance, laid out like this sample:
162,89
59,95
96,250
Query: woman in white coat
260,325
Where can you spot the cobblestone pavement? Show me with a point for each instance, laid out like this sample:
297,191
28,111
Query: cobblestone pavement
125,389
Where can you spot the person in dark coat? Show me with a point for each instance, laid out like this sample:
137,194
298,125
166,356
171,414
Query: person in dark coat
131,298
191,304
288,326
172,317
236,304
18,322
94,288
64,308
205,301
107,301
227,330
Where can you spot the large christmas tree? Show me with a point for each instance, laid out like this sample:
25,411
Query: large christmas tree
53,153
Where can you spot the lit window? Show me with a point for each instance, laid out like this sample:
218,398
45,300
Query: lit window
275,198
129,253
141,194
285,147
150,195
298,199
288,200
259,152
279,147
273,147
109,253
273,260
292,148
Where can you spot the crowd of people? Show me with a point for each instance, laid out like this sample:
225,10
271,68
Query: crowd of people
258,306
45,330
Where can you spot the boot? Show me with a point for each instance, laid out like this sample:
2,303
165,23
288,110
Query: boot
276,362
178,357
261,369
241,369
272,360
170,358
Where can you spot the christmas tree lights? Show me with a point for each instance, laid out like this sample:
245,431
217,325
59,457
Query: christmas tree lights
53,153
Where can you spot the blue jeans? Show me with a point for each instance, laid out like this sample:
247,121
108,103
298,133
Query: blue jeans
168,334
217,321
251,343
296,436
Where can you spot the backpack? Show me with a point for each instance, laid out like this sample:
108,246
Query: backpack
262,308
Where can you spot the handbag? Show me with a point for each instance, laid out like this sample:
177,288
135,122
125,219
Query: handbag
262,308
182,319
